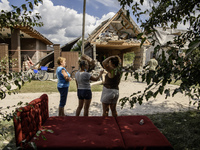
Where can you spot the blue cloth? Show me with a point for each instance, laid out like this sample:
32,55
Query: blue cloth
63,96
61,80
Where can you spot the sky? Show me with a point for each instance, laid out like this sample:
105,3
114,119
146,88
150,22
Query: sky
63,18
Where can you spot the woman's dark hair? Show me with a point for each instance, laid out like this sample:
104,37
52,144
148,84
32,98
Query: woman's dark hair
83,63
115,61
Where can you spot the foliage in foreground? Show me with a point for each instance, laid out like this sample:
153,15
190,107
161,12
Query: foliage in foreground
21,16
172,66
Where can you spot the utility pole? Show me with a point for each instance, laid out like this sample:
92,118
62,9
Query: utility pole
83,29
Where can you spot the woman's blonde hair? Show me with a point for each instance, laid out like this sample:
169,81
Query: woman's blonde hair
60,60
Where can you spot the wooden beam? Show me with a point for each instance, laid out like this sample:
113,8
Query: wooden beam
116,22
115,28
103,28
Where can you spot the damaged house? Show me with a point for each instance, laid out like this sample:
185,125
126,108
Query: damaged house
23,41
116,36
162,37
26,41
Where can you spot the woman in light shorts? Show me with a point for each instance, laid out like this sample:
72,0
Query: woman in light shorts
84,93
110,93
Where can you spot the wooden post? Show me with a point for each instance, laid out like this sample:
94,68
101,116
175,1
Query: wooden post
94,51
83,29
57,53
138,58
15,45
4,53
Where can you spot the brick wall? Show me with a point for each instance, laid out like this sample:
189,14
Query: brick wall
57,53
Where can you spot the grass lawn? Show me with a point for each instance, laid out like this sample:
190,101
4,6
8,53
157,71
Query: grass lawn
50,86
182,129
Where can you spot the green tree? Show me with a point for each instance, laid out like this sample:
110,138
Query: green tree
129,56
77,47
169,13
19,16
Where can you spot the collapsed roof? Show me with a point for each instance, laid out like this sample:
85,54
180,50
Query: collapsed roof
164,36
120,29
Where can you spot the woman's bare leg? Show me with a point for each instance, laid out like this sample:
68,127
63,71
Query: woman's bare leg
86,107
113,109
80,106
105,109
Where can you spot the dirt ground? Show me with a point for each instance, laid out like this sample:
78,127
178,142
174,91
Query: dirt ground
127,87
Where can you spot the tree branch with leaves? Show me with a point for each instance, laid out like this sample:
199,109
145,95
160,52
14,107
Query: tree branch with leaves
172,66
21,15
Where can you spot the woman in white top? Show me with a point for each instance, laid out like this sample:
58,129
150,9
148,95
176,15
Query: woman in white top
84,92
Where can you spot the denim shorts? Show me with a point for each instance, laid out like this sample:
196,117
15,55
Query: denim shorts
84,94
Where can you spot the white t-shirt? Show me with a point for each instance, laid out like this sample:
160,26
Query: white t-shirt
83,80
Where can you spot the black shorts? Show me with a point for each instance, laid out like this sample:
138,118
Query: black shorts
84,94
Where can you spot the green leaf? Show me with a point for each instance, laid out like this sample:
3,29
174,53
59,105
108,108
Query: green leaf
33,145
20,110
31,5
140,99
50,131
14,7
155,94
167,92
141,2
194,44
139,36
175,92
143,77
18,11
136,76
143,40
20,103
24,7
161,89
135,93
8,86
43,137
38,133
149,95
9,14
148,78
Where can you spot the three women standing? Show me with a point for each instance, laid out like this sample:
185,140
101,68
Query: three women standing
110,93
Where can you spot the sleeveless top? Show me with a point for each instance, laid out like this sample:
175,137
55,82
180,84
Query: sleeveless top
112,83
62,83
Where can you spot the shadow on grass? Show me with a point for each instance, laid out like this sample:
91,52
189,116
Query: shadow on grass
11,145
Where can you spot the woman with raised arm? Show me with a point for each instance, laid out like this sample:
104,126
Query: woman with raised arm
110,93
84,92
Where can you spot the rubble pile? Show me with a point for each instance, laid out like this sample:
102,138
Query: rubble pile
111,36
